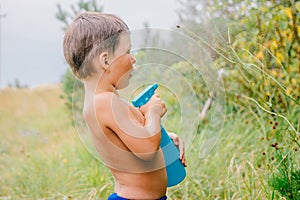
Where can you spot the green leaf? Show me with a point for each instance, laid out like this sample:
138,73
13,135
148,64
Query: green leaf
297,6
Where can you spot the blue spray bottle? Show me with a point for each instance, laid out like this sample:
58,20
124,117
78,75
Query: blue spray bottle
175,169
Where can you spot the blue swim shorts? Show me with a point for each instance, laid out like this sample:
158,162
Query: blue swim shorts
114,196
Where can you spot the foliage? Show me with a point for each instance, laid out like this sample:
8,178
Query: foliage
68,82
17,84
53,164
66,16
287,180
260,50
41,156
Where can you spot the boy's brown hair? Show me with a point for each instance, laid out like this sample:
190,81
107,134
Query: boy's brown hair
88,35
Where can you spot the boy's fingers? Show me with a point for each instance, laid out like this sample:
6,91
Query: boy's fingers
181,149
180,145
176,141
181,156
175,138
184,162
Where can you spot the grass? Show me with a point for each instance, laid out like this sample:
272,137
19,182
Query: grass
41,156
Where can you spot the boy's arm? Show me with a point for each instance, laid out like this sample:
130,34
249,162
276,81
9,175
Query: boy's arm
141,139
180,145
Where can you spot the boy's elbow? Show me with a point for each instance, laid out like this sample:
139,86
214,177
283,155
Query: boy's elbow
149,156
148,151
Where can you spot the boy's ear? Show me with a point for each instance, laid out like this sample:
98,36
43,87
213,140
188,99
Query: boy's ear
103,59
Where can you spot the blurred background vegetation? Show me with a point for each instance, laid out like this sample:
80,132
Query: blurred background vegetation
255,45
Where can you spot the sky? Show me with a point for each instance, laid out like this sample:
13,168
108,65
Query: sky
31,36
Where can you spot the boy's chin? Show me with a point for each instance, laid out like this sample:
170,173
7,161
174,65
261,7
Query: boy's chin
122,86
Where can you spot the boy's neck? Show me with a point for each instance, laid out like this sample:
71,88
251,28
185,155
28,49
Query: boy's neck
96,86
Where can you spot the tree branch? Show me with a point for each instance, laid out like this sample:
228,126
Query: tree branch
206,108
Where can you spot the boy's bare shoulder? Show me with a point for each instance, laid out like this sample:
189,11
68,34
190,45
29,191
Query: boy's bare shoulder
104,99
108,106
107,100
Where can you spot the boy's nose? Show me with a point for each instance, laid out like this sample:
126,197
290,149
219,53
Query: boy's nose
133,60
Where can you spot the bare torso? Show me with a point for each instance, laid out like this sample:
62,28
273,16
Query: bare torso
134,178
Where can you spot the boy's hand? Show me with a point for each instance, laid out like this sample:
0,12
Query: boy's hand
156,105
180,145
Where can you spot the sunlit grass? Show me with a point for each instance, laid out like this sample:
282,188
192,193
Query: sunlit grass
41,156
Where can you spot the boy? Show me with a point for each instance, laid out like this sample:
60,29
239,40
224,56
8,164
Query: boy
97,48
